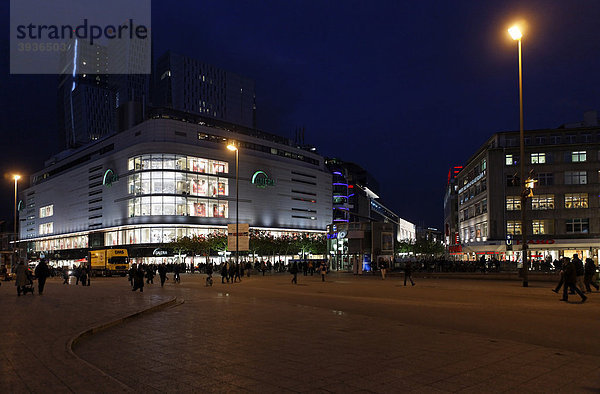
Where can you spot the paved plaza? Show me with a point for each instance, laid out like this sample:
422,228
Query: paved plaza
349,334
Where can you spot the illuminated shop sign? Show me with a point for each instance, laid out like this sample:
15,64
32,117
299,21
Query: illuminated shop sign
468,185
159,252
262,180
537,242
109,178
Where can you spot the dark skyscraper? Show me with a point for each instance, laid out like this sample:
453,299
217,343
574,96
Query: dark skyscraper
85,101
94,100
186,84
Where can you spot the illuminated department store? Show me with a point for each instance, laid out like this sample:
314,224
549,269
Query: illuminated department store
168,177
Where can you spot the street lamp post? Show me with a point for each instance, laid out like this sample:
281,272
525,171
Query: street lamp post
16,178
232,147
517,35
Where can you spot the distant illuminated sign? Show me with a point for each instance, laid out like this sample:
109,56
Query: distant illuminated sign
262,180
110,177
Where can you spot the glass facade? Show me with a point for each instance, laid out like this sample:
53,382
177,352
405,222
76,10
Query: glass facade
165,184
75,242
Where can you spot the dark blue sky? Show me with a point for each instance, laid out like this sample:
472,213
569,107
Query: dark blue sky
404,89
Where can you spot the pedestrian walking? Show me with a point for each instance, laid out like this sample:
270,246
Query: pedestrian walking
323,270
150,275
236,272
570,275
138,279
224,272
65,276
382,267
580,271
588,275
209,272
176,270
294,271
408,272
560,265
162,273
21,278
42,272
83,276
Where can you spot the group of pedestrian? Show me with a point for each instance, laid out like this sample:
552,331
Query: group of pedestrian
138,273
24,277
232,271
576,277
82,275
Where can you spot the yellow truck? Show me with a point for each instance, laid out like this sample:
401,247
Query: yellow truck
108,262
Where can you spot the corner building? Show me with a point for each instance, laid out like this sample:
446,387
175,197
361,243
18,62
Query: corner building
562,215
168,177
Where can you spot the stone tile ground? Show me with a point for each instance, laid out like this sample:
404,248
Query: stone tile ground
355,334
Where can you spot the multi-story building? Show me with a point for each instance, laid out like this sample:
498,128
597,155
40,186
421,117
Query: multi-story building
86,103
186,84
363,229
451,232
168,177
561,215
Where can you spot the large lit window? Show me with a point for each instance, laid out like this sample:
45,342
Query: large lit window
509,160
576,200
513,203
575,177
541,227
542,202
46,228
578,226
538,158
47,211
578,156
513,227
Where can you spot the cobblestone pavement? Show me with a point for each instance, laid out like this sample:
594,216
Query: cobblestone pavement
354,334
35,331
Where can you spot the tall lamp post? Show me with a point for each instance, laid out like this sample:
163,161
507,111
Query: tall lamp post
232,147
516,35
16,178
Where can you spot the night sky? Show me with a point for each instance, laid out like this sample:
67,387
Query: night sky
405,89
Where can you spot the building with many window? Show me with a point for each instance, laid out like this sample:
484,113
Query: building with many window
562,213
363,229
186,84
168,177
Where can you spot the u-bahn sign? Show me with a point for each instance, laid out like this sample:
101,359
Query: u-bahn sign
262,180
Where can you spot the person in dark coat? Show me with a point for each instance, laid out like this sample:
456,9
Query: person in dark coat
408,273
138,279
588,275
150,275
570,275
162,273
176,271
294,271
580,271
83,276
224,271
559,266
42,273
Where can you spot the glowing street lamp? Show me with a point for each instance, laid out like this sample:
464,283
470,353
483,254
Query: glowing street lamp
16,178
517,35
231,146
